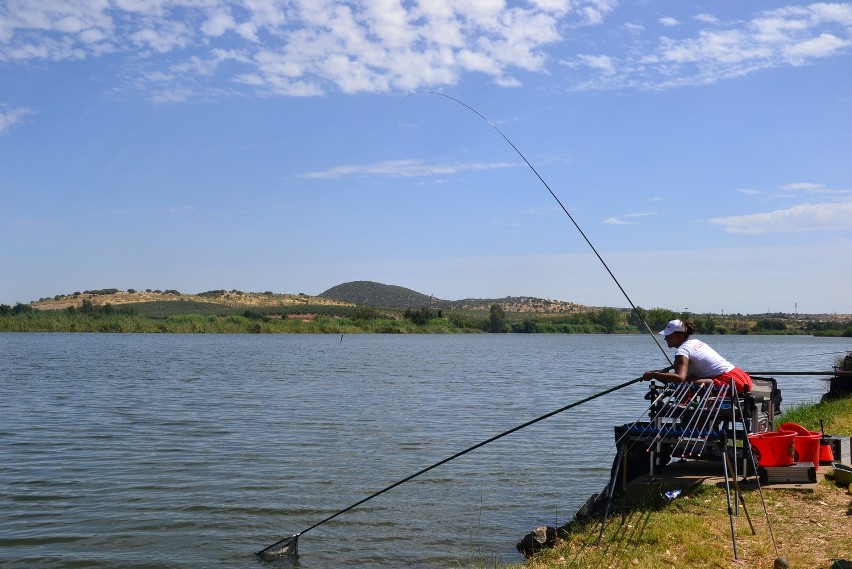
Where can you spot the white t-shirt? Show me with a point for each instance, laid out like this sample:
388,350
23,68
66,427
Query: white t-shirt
704,361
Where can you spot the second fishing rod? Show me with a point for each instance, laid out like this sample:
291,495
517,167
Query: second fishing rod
288,546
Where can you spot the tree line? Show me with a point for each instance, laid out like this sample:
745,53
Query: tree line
139,317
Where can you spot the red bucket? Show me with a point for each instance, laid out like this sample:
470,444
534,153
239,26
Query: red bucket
794,428
807,448
807,443
773,449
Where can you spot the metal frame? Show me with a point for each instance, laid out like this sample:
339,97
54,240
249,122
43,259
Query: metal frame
700,421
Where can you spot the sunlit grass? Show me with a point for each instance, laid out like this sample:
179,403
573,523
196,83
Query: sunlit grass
836,416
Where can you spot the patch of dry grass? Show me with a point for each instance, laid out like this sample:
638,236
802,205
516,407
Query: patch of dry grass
811,527
811,530
228,298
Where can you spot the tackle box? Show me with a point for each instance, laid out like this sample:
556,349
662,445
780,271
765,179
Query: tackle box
799,473
840,448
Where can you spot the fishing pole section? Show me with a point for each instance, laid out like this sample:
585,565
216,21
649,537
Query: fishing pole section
565,210
288,547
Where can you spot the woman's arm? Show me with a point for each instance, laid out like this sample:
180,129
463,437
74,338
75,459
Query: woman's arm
681,365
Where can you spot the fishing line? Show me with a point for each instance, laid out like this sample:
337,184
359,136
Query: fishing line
564,209
288,546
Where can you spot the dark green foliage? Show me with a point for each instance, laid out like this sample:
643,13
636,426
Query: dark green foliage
609,319
636,317
705,324
212,293
422,315
657,318
770,324
528,326
252,315
466,321
168,308
101,291
94,310
22,309
497,319
813,326
367,313
554,327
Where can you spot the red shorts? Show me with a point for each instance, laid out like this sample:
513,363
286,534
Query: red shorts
741,379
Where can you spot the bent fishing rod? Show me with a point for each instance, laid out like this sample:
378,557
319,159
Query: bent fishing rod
288,546
564,209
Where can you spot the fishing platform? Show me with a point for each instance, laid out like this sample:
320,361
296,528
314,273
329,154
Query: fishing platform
699,423
707,434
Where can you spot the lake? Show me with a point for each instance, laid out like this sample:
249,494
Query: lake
154,451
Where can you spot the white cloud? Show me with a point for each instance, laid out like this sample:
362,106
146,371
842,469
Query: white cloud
304,48
219,22
798,189
602,63
795,35
822,46
403,169
625,219
707,18
802,186
835,216
8,119
172,95
164,38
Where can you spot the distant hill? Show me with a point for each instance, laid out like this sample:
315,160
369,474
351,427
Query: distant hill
378,295
358,293
232,298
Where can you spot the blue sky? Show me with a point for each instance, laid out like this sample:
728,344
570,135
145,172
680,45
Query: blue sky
290,146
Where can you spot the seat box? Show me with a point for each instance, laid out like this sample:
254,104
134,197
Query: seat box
799,473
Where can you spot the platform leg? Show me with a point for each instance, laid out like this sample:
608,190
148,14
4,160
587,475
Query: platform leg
610,489
724,444
741,498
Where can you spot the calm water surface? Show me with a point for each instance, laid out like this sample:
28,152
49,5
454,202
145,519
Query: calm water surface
199,450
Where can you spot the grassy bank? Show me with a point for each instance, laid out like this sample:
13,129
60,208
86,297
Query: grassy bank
247,322
217,311
186,316
811,529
